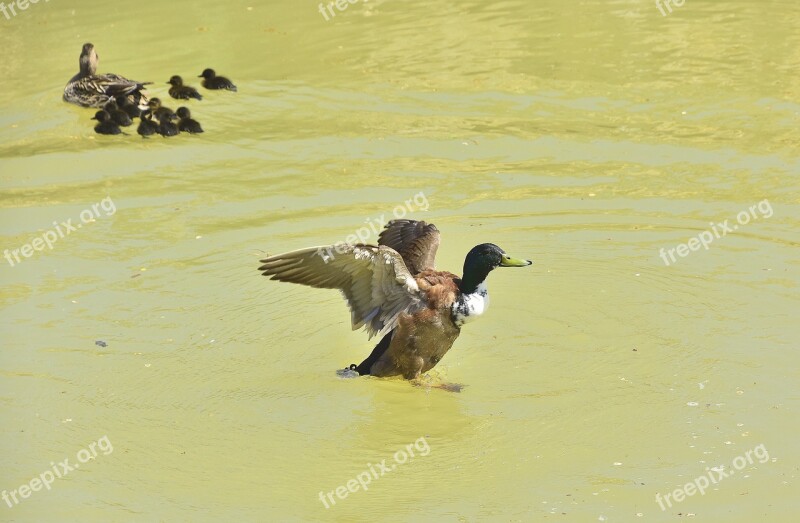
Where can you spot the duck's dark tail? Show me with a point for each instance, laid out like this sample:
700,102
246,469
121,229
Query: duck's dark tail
377,352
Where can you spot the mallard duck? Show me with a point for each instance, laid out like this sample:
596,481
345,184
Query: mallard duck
147,127
166,128
126,105
186,123
118,116
105,125
158,110
89,89
394,291
180,91
212,81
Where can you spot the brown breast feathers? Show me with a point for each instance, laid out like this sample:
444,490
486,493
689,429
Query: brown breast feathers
440,288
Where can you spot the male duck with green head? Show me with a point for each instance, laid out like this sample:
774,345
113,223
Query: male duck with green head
393,290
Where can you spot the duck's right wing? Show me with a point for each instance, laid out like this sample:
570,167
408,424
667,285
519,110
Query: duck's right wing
373,279
417,242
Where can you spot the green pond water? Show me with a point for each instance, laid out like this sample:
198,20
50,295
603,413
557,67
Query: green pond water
586,136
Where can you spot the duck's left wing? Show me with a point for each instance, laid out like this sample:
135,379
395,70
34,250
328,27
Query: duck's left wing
373,279
112,84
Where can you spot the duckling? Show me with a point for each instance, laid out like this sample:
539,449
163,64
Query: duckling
105,124
166,128
212,81
186,124
118,116
158,110
394,291
180,91
89,89
147,127
129,107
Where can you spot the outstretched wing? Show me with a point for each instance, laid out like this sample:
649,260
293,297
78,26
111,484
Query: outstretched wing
374,280
417,242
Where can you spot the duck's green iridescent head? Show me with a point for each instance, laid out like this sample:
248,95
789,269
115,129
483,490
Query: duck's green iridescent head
482,260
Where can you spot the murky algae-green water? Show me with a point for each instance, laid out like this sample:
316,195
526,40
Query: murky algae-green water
648,163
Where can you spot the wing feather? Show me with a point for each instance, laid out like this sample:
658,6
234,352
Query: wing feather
416,241
374,281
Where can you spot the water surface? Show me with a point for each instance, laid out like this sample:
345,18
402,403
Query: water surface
587,136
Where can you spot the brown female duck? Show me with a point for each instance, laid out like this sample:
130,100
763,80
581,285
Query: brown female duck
89,89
